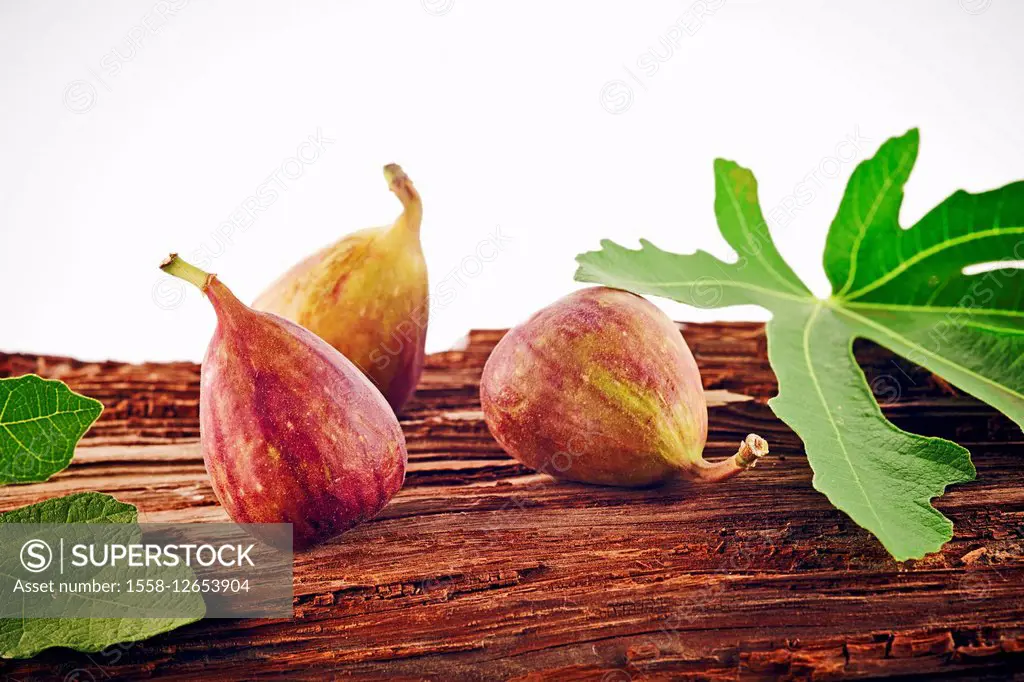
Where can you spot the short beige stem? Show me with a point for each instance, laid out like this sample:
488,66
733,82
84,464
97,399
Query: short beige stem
751,450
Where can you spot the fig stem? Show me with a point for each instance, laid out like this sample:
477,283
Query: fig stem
402,186
173,265
751,449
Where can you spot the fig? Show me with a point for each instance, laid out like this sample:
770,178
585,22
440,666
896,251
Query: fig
290,430
367,296
600,387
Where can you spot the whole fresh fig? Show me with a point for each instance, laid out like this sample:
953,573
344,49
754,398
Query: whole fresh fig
600,387
291,431
366,295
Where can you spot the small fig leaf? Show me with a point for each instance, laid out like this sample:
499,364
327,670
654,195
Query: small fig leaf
41,421
26,637
905,289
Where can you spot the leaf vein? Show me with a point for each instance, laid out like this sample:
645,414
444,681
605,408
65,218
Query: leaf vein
863,224
927,253
831,419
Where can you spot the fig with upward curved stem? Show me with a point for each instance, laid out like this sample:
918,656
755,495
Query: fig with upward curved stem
367,295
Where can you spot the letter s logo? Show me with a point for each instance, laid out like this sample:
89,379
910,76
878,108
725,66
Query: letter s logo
36,556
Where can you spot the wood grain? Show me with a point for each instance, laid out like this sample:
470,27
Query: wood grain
480,569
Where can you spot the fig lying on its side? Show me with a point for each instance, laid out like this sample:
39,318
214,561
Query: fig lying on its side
366,295
291,431
600,387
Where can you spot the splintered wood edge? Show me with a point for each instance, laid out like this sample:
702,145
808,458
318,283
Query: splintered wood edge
718,398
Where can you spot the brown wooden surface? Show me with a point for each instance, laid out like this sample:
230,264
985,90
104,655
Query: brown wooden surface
480,569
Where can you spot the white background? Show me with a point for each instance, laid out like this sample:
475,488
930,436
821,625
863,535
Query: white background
547,119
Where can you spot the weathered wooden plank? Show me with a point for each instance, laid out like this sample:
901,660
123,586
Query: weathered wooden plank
481,569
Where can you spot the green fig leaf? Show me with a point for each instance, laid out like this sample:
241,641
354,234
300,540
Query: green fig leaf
26,637
905,289
75,508
41,421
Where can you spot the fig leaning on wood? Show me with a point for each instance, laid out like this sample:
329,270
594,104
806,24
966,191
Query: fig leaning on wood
600,387
367,296
291,431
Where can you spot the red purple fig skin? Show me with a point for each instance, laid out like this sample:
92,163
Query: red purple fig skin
600,387
291,430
